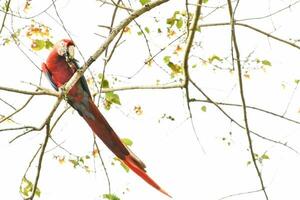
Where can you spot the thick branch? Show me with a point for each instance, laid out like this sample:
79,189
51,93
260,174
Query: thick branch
110,38
44,91
191,35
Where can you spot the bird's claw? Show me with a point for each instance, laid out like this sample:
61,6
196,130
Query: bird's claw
63,92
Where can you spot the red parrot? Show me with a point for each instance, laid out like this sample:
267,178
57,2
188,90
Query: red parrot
59,68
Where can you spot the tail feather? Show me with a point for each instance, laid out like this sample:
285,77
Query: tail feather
104,131
131,163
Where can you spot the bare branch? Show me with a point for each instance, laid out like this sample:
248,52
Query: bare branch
111,37
44,91
118,5
17,110
7,5
252,28
191,34
240,78
39,168
237,123
103,165
8,104
32,128
240,194
250,107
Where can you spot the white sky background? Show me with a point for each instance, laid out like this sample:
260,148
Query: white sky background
169,149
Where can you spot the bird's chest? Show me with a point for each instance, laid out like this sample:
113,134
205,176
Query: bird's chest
61,74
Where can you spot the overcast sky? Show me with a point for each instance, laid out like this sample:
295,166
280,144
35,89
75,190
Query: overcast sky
169,148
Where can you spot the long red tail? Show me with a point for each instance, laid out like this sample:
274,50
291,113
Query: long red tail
130,162
104,131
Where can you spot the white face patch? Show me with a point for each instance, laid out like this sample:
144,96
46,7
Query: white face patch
61,48
71,51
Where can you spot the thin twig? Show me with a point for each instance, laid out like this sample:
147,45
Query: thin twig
111,37
10,105
118,5
39,168
240,78
240,194
103,165
250,107
32,128
290,100
237,123
252,28
7,5
17,110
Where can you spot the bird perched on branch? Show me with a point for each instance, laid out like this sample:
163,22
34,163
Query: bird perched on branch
59,68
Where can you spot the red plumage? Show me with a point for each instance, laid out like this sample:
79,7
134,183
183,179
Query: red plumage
59,68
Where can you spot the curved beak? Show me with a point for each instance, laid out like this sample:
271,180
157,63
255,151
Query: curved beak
71,51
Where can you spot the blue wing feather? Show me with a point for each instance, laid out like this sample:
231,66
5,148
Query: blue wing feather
82,79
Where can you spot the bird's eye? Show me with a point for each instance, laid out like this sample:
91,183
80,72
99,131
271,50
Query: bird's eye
62,48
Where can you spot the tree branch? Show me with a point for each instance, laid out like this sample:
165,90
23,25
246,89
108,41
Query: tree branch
240,78
191,35
7,5
111,37
210,100
252,28
47,135
42,91
17,110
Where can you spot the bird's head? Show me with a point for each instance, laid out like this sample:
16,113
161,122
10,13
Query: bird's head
66,48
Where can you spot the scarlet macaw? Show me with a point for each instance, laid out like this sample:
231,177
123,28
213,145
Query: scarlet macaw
59,68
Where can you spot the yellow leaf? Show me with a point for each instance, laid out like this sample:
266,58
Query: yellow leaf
138,110
127,30
95,152
61,160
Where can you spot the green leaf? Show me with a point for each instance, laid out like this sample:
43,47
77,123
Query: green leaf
38,192
159,30
204,1
143,2
266,62
176,69
38,45
26,188
122,164
265,157
147,29
213,58
110,197
74,162
167,59
48,44
105,83
203,108
297,81
171,21
112,98
179,23
127,141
